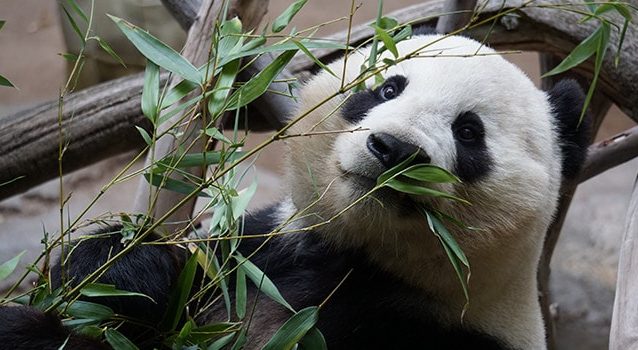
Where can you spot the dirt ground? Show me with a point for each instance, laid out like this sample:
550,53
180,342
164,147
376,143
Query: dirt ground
584,266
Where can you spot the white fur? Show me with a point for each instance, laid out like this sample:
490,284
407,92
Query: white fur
512,206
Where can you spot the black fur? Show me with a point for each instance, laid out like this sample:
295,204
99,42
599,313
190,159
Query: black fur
567,100
25,328
473,160
147,269
359,104
423,30
371,310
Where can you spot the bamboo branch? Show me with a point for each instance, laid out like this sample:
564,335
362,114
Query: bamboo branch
154,201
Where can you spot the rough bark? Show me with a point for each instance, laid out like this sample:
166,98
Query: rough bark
456,14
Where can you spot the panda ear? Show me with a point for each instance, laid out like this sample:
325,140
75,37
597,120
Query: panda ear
574,135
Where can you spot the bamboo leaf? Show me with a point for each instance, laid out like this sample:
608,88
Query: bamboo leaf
179,295
192,160
91,311
2,22
9,266
221,342
74,25
395,170
145,135
240,294
420,191
285,17
582,52
158,52
216,134
239,203
77,9
314,58
601,48
430,173
5,82
109,290
313,340
150,92
223,87
387,41
108,49
294,329
258,84
118,341
285,46
262,281
172,184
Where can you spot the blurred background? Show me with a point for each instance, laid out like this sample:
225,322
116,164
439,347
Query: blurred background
36,33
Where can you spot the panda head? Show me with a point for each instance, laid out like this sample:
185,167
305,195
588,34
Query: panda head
462,107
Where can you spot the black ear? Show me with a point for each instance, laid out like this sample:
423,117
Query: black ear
574,135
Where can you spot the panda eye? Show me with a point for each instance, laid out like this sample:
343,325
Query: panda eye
467,133
388,91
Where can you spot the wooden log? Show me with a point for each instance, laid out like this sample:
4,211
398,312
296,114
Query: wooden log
610,153
98,123
624,323
178,207
456,15
184,11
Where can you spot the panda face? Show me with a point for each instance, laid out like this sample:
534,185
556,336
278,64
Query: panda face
463,108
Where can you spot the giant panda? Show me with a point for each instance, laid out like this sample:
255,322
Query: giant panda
457,105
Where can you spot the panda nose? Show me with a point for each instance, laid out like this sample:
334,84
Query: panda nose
392,151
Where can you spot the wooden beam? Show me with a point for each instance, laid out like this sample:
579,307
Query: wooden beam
456,15
624,323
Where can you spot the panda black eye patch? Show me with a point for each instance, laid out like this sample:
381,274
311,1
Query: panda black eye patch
473,160
359,104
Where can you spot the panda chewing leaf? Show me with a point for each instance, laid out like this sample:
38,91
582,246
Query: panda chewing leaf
390,285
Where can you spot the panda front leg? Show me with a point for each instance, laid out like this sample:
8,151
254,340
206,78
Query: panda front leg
147,269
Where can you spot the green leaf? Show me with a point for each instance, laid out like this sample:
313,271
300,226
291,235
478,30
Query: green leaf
388,42
430,173
8,267
452,249
216,134
313,58
2,22
109,290
77,9
158,52
582,52
145,135
294,329
118,341
262,281
178,342
254,44
5,82
285,17
192,160
91,311
240,294
179,295
108,49
403,34
313,340
221,342
387,23
223,86
231,38
286,46
395,170
69,56
74,25
172,184
150,92
239,203
178,92
212,331
258,84
420,191
241,340
601,49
